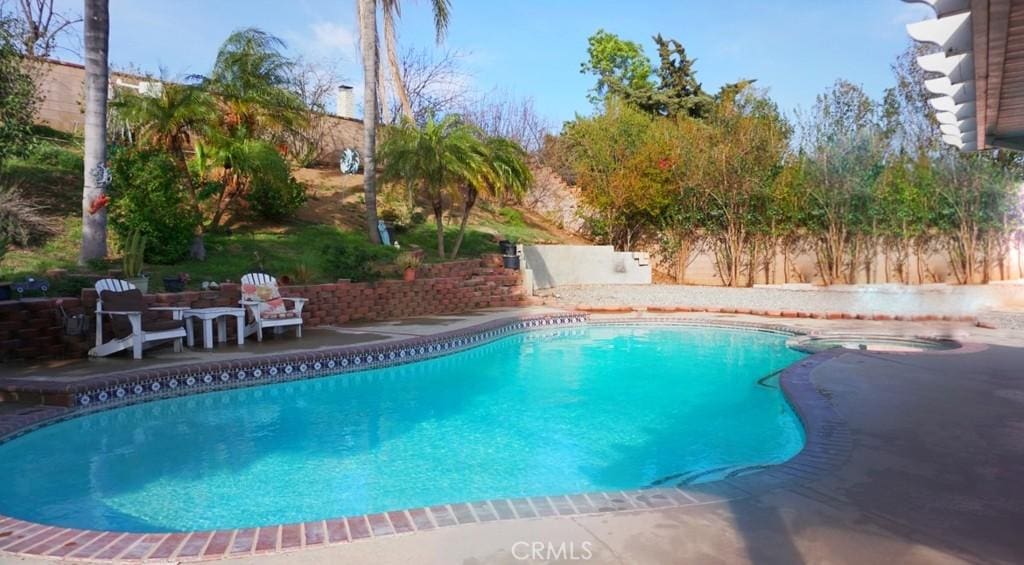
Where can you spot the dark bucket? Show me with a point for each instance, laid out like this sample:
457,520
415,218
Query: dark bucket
174,284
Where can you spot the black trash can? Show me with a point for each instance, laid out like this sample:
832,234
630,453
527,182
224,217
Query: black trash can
510,261
174,284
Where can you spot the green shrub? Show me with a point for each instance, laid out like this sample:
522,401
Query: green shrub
70,285
512,217
275,198
147,196
18,98
269,189
51,155
355,258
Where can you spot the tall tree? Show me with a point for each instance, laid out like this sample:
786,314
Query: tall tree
678,91
598,148
733,159
844,148
367,10
252,87
253,81
908,120
625,72
94,213
619,65
392,10
978,197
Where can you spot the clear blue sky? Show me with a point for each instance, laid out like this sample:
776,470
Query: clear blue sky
534,48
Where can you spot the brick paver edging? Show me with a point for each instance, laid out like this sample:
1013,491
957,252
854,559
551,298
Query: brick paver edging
828,444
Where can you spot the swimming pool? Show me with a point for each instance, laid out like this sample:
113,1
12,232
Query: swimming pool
542,413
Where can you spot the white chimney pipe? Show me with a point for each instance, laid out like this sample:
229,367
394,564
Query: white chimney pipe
346,102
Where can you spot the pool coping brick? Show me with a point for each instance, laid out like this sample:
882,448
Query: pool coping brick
828,443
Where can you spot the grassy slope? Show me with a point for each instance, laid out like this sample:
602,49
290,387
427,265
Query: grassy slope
333,214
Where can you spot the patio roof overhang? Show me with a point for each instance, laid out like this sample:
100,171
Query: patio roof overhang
979,93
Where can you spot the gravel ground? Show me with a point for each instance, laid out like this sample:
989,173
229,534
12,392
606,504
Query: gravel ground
878,299
1004,320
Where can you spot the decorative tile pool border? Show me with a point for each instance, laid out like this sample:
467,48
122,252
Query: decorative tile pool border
140,386
828,445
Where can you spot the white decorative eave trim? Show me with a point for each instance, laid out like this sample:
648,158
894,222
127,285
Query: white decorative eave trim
961,93
944,7
951,33
955,104
947,104
958,68
968,125
959,140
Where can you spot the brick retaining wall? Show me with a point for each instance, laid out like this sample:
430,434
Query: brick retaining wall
31,328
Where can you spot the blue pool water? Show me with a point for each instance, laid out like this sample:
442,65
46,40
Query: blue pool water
582,410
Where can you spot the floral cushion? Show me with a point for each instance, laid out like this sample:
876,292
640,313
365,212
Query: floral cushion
272,305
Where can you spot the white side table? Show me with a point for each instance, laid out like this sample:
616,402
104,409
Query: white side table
208,315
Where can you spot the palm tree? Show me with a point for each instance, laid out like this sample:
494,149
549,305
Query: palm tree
436,159
251,82
252,79
172,121
505,173
367,13
368,42
94,213
392,9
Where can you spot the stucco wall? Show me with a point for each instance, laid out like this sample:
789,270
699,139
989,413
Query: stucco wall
62,88
563,265
801,268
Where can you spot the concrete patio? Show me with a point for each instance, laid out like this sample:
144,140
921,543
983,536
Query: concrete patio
360,333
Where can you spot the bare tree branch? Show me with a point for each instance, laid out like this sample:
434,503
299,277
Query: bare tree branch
436,82
43,29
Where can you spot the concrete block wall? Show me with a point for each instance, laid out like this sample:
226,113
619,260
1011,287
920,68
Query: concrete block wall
566,265
32,328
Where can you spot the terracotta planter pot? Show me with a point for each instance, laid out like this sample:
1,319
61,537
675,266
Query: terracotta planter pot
409,275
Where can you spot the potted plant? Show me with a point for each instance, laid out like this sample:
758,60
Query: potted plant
134,251
176,283
408,262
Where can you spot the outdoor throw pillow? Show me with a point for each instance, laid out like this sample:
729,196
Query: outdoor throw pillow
272,305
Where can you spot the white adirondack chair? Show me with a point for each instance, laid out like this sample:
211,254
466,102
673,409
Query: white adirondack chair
142,334
263,310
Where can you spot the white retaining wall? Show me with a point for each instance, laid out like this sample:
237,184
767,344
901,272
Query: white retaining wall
563,265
